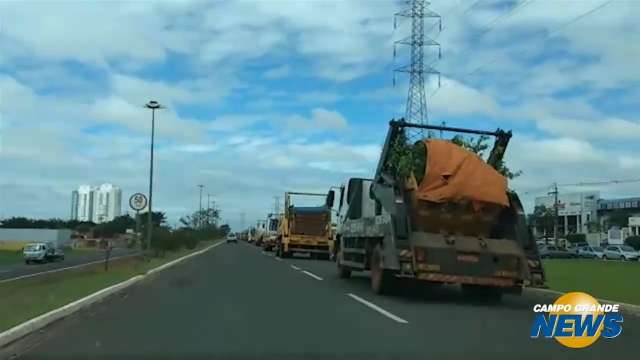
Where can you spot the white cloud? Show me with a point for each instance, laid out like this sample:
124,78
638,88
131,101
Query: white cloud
321,120
278,72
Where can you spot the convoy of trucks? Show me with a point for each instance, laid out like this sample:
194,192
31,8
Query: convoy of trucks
433,213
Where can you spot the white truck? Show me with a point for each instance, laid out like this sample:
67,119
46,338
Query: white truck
42,252
270,232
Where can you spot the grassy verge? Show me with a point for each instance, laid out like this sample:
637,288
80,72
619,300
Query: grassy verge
611,280
29,298
10,257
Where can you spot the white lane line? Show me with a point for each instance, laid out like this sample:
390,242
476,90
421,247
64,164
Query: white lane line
295,267
378,309
277,258
312,275
64,268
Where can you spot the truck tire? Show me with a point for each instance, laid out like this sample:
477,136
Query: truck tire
383,281
343,271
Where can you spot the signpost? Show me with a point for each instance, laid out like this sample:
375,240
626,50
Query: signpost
138,202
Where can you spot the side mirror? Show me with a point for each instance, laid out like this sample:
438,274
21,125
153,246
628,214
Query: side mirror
330,197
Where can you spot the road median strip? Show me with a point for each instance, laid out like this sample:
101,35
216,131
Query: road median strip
18,331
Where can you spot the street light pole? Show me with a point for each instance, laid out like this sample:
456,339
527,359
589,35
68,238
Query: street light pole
153,105
200,217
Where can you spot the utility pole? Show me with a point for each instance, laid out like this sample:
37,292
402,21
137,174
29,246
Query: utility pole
555,209
153,105
200,213
276,205
416,108
242,220
208,209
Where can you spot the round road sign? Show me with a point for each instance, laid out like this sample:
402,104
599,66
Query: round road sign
138,201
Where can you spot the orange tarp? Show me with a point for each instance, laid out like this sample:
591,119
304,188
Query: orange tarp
455,174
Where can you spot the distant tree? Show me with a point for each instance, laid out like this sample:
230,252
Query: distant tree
201,219
543,219
633,241
224,230
619,219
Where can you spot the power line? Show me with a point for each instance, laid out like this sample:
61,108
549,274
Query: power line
548,35
582,183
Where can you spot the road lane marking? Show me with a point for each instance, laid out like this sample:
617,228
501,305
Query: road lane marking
312,275
378,309
65,268
277,258
295,267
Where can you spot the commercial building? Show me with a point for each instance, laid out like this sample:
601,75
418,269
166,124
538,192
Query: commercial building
97,204
577,210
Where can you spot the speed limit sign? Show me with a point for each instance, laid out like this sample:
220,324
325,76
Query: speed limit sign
138,201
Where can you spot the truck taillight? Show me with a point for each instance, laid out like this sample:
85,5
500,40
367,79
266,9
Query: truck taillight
420,254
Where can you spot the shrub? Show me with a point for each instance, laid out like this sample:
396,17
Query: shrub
577,238
633,241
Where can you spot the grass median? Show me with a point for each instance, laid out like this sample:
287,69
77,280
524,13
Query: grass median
611,280
25,299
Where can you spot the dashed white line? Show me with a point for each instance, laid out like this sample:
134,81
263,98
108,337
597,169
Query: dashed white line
378,309
277,258
312,275
295,267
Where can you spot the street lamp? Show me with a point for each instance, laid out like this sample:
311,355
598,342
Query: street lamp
153,105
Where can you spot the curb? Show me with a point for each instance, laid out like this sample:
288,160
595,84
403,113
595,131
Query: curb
624,307
43,320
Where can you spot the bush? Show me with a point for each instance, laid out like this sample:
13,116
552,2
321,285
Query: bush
577,238
633,241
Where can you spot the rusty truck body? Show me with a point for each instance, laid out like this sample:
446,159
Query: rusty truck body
456,236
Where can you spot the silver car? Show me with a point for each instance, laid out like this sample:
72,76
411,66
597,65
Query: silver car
591,252
620,252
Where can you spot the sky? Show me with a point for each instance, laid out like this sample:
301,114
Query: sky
267,96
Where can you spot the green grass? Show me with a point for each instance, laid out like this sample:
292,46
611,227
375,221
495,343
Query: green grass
10,257
611,280
29,298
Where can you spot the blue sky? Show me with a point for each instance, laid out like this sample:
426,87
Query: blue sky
268,96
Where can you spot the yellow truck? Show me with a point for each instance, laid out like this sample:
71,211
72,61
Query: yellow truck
304,229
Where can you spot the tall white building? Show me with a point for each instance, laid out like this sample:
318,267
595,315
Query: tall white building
98,204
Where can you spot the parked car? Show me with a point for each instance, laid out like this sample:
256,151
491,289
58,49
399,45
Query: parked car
555,252
232,238
620,252
575,248
591,252
42,252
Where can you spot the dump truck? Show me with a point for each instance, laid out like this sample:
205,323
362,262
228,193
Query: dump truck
449,219
304,229
271,232
259,233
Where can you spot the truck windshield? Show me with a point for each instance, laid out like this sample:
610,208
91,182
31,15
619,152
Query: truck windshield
32,248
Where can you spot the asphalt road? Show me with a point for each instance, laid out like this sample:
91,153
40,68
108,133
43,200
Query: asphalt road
21,269
234,302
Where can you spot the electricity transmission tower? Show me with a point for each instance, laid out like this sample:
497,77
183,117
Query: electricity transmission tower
416,108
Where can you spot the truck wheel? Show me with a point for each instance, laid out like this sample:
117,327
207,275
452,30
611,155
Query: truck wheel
382,281
27,262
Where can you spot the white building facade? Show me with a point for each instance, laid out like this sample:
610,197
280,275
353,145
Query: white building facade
575,210
97,204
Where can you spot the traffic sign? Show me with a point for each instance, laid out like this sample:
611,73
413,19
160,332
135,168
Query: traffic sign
138,201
